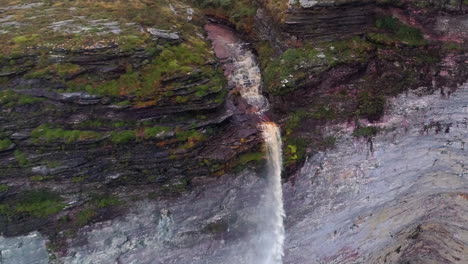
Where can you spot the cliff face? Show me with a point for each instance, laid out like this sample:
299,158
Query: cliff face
90,106
129,119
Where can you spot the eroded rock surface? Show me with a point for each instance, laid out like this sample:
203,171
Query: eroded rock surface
403,201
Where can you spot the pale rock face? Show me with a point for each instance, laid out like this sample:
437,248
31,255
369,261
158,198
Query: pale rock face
28,249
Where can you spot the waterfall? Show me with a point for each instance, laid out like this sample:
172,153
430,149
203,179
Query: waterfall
272,204
243,73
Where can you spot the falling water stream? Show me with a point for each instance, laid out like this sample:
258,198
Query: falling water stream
243,73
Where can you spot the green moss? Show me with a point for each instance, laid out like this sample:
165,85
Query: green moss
147,84
26,39
365,132
79,179
21,158
40,203
6,210
251,157
40,178
294,150
5,143
153,132
103,201
85,216
190,137
130,42
9,98
291,70
123,137
281,76
46,133
3,187
240,12
452,46
370,105
398,32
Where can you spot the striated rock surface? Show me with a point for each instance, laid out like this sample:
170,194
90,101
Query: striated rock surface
404,200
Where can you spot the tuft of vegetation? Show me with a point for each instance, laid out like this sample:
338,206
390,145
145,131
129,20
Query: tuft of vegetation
21,158
123,137
190,137
290,70
46,133
40,203
370,105
294,151
239,12
398,32
154,132
365,132
5,143
9,98
85,216
107,200
4,187
251,157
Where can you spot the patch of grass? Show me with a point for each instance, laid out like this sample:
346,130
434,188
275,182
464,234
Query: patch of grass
21,158
400,31
85,216
130,42
154,132
25,39
4,187
5,143
251,157
108,200
79,179
148,86
9,98
190,137
281,76
46,133
123,137
40,203
289,71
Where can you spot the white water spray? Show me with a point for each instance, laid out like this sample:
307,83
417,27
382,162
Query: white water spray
272,231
